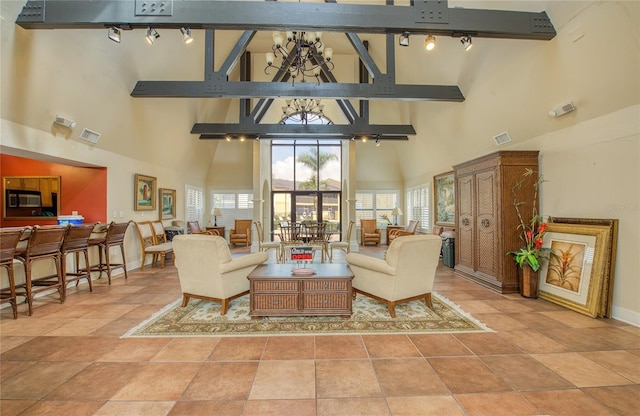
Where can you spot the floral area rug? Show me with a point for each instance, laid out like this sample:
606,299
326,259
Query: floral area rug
202,318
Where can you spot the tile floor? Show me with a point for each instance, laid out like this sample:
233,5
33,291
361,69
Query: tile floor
68,359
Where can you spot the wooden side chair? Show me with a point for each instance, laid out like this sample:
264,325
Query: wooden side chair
369,231
9,239
266,245
77,242
410,229
150,245
114,237
343,244
194,228
241,233
44,243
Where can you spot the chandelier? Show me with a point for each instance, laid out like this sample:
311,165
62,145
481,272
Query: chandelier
303,111
302,56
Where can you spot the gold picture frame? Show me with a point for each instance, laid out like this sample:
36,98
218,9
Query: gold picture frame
610,265
444,198
145,193
167,203
574,274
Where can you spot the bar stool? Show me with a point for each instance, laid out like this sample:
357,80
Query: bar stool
9,239
114,238
44,243
77,242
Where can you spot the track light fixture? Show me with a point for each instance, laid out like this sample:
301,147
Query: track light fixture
466,42
151,35
404,39
430,42
114,34
186,34
378,143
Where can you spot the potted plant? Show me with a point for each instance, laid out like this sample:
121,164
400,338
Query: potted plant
531,233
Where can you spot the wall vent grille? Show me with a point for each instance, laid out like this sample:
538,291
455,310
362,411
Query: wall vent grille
90,136
502,138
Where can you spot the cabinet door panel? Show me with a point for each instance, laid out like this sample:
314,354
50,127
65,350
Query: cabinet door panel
486,223
465,231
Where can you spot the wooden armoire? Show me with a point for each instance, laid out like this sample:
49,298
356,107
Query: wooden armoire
486,219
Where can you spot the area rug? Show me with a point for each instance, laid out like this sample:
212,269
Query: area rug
202,318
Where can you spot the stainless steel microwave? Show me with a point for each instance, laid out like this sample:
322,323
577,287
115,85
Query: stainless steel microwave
24,199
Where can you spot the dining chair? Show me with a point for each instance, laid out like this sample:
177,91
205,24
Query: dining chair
44,243
76,242
343,244
266,245
114,237
290,236
9,239
150,245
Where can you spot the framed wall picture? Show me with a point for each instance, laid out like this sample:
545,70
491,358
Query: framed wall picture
444,198
574,274
145,193
167,203
610,265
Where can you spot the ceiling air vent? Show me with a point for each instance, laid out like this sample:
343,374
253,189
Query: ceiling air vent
90,136
502,138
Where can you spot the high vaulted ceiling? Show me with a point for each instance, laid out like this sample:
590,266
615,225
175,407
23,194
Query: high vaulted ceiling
508,85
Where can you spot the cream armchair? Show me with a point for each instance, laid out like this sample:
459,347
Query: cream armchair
407,273
207,271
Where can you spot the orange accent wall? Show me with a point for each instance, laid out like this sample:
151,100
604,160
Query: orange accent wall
82,189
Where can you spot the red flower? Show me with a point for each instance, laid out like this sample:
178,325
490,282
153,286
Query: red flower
543,228
529,235
538,243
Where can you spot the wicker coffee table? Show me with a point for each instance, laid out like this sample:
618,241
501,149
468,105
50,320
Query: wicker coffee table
276,291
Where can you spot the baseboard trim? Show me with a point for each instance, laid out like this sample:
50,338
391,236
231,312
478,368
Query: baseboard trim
625,315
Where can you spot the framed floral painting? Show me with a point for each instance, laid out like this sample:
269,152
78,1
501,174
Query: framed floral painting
145,193
444,198
167,203
574,274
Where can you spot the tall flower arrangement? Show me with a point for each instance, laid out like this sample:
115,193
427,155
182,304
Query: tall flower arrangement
532,231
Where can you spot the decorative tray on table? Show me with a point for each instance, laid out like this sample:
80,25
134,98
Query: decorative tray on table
302,272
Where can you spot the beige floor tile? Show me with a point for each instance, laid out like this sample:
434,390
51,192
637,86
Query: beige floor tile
565,403
158,381
284,380
80,408
9,342
135,349
239,349
222,381
389,346
580,370
35,327
280,408
79,327
425,405
10,368
346,378
289,348
621,362
39,379
498,321
352,407
477,306
574,319
467,375
82,349
408,377
522,372
443,345
99,381
496,404
187,349
487,344
14,407
156,408
342,347
621,400
532,342
208,408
